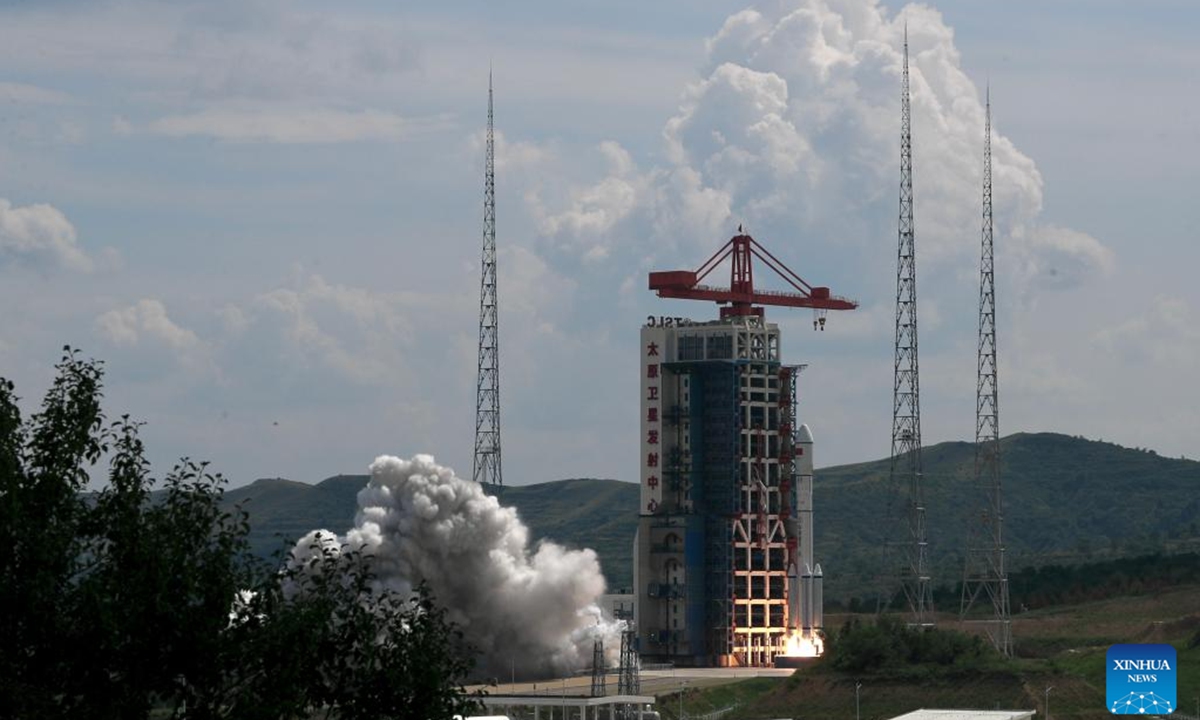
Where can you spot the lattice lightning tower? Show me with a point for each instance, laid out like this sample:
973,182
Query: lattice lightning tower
906,402
486,465
985,571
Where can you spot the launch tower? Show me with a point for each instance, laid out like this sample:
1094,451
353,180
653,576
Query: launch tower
486,464
985,571
724,572
906,390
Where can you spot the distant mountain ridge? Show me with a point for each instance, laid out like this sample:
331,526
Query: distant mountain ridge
600,514
1067,500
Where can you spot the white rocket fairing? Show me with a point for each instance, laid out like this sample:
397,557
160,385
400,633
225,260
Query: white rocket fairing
805,574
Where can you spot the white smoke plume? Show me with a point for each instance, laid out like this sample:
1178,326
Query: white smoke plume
532,608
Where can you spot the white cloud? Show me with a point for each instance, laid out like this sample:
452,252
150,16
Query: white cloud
22,94
359,334
233,320
310,331
792,129
1165,336
595,210
1061,258
299,126
796,127
146,325
145,320
257,50
40,236
788,124
513,155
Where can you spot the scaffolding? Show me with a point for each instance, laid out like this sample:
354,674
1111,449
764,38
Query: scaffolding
715,544
759,530
599,668
629,680
716,412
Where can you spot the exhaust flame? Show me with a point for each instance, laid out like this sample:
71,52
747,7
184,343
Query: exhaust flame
799,645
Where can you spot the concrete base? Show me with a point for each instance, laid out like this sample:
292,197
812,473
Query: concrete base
794,661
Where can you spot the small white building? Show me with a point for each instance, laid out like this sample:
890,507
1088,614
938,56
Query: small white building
573,707
930,714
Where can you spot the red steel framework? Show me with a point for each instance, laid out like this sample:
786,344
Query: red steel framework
760,588
741,295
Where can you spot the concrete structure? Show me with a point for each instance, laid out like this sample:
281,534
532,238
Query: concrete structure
724,571
618,606
573,707
929,714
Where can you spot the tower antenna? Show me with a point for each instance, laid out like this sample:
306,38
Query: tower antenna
906,398
985,571
486,465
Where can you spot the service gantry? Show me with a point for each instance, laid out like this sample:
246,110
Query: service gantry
717,530
741,298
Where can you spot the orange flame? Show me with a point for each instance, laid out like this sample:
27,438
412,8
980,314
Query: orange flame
799,645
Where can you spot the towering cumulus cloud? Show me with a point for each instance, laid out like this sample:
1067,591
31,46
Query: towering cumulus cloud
792,127
532,608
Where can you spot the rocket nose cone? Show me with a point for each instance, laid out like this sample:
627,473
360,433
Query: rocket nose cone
807,569
803,434
817,570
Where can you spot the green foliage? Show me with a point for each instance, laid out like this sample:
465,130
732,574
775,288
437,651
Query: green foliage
889,644
367,652
1068,500
1033,588
128,603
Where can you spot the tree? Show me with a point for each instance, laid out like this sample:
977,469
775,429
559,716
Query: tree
888,644
131,601
368,652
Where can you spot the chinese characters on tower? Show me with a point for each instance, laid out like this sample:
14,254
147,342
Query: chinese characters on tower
653,354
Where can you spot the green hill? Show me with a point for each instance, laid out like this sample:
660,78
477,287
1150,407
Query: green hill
1068,500
281,511
600,514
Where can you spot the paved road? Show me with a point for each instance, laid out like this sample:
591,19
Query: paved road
654,682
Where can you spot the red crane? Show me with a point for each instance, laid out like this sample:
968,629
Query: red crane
741,296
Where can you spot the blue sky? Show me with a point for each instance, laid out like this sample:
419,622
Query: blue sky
265,215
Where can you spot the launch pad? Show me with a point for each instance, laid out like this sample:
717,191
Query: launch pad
725,574
794,662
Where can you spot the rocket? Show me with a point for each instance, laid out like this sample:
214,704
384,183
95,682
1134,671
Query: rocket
818,599
804,574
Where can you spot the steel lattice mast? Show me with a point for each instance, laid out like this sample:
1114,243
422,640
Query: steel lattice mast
486,465
985,569
906,397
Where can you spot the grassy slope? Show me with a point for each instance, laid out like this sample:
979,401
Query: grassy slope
1062,647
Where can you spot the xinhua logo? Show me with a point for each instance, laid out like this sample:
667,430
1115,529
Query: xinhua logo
1141,679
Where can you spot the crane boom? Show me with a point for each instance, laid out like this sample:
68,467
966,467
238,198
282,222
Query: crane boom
741,296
